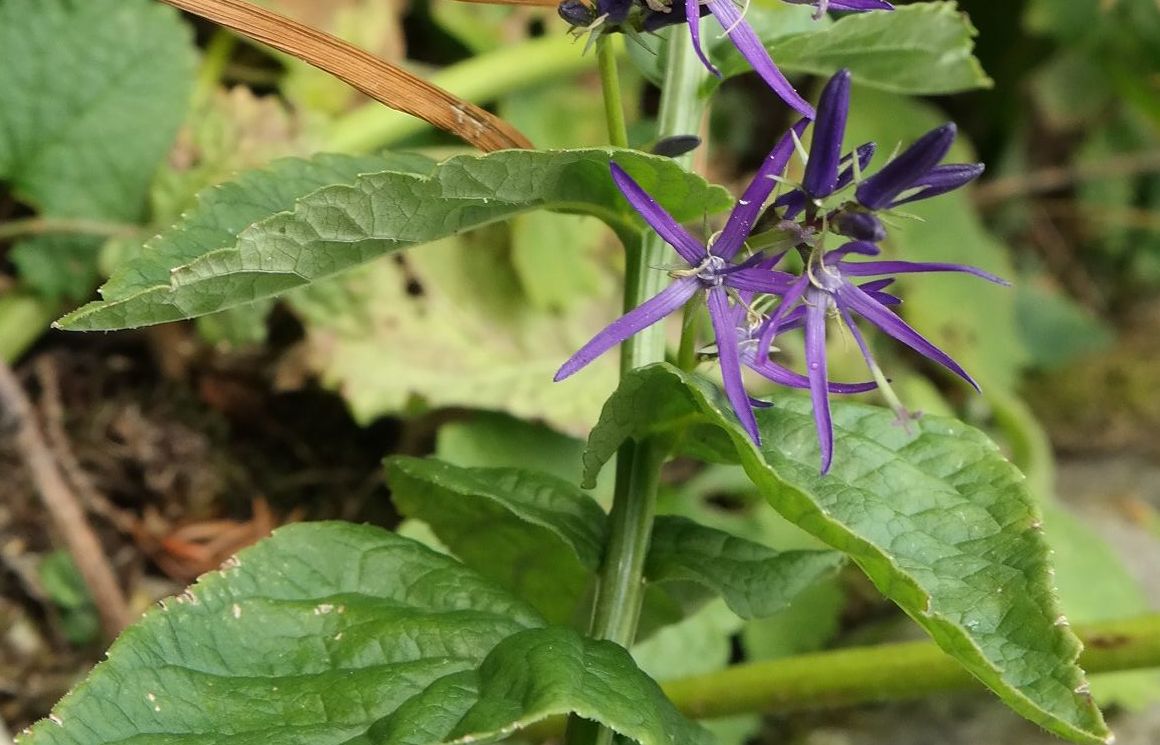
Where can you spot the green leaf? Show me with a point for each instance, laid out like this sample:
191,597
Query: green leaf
754,580
535,534
311,635
224,211
807,625
449,326
337,633
93,93
935,516
921,49
342,226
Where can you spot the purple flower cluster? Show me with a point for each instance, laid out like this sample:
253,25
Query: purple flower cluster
752,302
635,16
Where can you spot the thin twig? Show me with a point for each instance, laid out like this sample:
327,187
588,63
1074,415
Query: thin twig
52,412
1060,177
16,416
386,83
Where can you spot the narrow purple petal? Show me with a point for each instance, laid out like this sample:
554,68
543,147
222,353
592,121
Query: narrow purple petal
863,347
661,221
646,314
859,6
793,202
776,373
942,179
900,174
727,354
693,13
821,175
769,328
877,285
874,268
865,153
864,248
745,213
850,296
760,280
816,371
746,41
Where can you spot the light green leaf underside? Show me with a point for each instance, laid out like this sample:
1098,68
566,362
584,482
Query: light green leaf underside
450,326
919,49
331,633
754,580
339,227
936,517
535,534
93,93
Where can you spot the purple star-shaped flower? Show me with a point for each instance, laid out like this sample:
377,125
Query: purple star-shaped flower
826,289
709,268
857,6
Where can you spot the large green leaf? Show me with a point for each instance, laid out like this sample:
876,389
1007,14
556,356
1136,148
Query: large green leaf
93,92
535,534
91,96
336,633
450,326
754,580
921,49
935,516
339,227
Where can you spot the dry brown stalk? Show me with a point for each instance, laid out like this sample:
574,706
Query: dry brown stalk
389,85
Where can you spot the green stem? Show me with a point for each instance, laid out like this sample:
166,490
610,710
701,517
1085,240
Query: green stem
680,113
606,48
866,675
213,64
80,226
373,126
889,672
620,592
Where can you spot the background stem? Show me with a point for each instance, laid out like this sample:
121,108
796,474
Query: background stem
510,68
889,672
606,46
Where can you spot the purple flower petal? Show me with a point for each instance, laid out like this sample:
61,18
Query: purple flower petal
850,296
776,373
769,329
746,41
646,314
864,248
728,356
793,202
942,179
860,6
874,268
744,215
760,280
693,13
686,245
821,175
816,301
858,338
900,174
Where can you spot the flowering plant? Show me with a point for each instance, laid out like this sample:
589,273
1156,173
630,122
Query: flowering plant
537,584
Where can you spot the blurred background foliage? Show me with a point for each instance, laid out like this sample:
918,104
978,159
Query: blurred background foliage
450,349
